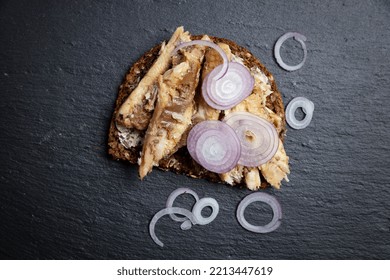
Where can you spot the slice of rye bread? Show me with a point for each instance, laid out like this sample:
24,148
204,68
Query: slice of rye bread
181,161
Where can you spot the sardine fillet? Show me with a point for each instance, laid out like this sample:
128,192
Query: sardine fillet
174,109
137,110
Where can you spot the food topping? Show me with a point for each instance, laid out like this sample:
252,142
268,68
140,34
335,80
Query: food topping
137,109
174,109
224,67
226,85
129,137
212,59
259,138
277,168
164,113
214,145
252,178
231,89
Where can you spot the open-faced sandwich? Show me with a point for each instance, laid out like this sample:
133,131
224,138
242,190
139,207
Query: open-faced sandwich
205,107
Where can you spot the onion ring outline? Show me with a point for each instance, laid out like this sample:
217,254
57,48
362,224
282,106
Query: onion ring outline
202,203
298,37
307,107
164,212
262,197
173,196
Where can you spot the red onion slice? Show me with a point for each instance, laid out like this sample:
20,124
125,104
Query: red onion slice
224,67
172,198
259,138
202,203
226,92
262,197
228,84
307,107
298,37
214,145
166,211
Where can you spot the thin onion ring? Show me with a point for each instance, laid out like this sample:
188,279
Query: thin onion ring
266,198
298,37
166,211
225,59
202,203
307,107
225,93
174,195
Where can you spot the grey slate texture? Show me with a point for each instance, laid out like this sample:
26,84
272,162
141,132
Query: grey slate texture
62,197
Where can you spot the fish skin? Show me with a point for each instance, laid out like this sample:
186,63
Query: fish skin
212,60
137,109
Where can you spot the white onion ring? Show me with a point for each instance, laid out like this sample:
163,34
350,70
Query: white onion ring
214,145
166,211
266,198
307,107
224,66
202,203
225,93
173,196
259,138
298,37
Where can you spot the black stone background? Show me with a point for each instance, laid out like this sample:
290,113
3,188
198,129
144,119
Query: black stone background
62,197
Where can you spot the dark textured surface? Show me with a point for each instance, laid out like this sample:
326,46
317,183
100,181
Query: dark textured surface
61,195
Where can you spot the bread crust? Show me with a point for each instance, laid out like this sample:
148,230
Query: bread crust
181,162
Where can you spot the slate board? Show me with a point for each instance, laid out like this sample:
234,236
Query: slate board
62,197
